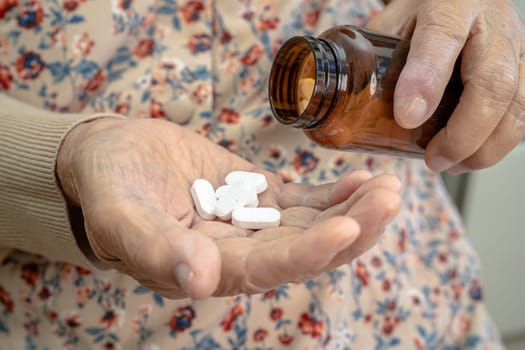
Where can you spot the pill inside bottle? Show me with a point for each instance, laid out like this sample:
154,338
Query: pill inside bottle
305,83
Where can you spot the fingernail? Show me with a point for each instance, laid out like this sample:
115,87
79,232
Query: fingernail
413,114
439,164
458,169
184,277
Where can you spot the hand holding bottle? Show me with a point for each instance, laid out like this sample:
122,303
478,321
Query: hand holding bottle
489,120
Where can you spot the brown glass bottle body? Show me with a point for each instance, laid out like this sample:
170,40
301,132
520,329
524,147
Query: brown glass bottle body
351,104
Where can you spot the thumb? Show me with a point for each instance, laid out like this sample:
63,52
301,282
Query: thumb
153,247
439,36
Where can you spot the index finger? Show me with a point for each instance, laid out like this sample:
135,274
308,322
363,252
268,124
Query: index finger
253,266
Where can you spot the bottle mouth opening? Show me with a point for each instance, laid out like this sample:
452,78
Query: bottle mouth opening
302,73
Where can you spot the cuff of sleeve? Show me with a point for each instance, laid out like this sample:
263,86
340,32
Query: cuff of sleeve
34,215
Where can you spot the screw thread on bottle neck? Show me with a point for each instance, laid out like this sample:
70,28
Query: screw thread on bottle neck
304,58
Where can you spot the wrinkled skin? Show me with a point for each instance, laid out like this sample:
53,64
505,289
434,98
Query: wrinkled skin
489,121
132,179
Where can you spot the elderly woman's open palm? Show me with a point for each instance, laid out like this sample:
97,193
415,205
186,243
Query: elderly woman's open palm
132,179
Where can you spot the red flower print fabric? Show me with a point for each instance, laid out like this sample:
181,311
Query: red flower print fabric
205,64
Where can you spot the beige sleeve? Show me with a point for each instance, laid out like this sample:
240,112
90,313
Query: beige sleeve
34,216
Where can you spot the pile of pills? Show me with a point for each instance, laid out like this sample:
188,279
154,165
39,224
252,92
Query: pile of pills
237,201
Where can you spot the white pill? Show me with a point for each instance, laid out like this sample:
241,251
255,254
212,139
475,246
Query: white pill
224,189
204,198
256,218
306,88
257,180
302,105
240,195
224,207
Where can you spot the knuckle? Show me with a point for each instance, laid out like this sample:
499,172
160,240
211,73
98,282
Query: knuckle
427,74
495,83
505,17
444,23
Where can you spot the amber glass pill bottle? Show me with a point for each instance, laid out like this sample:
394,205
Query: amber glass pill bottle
339,88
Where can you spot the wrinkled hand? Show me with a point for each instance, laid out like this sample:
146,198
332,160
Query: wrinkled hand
132,179
489,121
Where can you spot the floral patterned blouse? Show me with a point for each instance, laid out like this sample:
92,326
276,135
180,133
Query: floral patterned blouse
204,64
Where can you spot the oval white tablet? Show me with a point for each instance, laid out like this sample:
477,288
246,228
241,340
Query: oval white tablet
239,195
245,193
204,198
224,207
257,180
256,218
222,190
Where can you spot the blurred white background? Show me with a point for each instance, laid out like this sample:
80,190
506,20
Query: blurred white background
492,202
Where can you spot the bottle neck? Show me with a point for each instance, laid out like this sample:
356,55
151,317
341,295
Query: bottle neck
305,58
